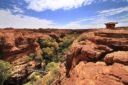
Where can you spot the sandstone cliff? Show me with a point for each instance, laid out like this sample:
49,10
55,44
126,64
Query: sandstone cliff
18,43
98,58
16,47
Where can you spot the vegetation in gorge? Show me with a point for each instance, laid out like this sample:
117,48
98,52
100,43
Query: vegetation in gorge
53,50
82,38
4,71
35,79
53,75
53,53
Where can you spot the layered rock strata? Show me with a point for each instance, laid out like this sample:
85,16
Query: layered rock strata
98,58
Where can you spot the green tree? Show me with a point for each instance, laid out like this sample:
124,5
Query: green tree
64,46
48,54
54,51
35,79
51,66
49,48
4,71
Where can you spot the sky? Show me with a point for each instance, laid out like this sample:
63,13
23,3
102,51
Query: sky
73,14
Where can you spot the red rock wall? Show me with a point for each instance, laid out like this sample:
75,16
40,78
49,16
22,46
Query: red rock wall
100,59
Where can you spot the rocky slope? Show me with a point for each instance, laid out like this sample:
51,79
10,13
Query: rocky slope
16,47
20,47
98,58
13,43
20,70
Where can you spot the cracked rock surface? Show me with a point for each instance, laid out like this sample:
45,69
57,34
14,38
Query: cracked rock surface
98,58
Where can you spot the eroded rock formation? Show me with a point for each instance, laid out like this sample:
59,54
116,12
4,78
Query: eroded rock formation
98,58
98,74
18,43
15,47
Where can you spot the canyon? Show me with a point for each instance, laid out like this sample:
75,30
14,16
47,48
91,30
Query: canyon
95,57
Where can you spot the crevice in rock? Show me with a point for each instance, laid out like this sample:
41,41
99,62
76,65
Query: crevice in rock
115,76
125,83
68,66
119,48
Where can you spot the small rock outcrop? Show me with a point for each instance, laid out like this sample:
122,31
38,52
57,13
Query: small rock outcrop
119,57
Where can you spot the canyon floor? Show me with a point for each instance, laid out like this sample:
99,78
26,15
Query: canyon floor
64,56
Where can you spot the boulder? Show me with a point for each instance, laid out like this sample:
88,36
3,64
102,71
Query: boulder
118,57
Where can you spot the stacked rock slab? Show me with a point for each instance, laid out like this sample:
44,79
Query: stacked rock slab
100,59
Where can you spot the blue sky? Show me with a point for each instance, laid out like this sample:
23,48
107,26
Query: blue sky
75,14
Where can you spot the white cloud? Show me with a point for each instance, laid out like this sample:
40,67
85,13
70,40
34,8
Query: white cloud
17,10
83,20
86,26
114,11
122,24
100,20
97,22
41,5
123,18
7,19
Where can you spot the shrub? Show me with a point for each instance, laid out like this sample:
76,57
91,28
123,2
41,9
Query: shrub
124,28
24,32
83,38
35,79
66,41
48,54
38,57
49,48
60,59
47,43
53,51
49,81
35,55
65,46
4,71
35,76
37,82
56,73
52,66
32,55
27,58
53,75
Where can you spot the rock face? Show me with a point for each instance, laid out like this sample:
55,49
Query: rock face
20,70
119,57
18,43
98,74
98,58
15,47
